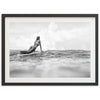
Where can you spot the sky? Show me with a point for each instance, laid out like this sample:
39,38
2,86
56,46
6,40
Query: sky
53,35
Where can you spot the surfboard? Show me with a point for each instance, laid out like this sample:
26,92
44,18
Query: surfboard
33,53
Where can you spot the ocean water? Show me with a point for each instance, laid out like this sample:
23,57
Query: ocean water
50,64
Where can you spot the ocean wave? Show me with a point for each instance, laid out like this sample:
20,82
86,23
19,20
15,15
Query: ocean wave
15,54
51,63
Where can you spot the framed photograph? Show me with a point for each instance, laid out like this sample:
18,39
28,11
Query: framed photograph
49,49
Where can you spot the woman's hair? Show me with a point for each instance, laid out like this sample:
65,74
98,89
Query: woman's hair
38,38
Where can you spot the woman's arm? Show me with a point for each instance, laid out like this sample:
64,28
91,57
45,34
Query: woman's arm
40,46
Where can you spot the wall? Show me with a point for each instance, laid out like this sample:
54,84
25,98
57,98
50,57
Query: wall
51,92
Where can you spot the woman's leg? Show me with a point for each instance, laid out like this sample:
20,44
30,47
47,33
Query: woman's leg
23,52
29,51
32,50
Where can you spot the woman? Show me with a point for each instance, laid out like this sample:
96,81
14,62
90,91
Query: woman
33,48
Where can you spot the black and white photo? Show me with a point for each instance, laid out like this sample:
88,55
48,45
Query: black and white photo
50,49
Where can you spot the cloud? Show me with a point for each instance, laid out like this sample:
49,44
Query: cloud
52,37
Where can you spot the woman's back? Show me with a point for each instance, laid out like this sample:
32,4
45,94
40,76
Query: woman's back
36,43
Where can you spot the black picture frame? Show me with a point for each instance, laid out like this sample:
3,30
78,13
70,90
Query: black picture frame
4,16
